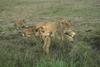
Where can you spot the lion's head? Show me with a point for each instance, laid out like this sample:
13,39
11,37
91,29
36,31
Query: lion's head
66,28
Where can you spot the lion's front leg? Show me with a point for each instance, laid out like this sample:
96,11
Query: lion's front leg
47,42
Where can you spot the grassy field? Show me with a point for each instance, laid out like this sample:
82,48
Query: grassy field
17,51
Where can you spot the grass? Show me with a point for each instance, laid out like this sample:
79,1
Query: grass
17,51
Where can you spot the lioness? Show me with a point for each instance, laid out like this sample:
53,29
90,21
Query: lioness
47,30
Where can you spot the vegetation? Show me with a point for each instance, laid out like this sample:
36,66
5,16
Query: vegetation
18,51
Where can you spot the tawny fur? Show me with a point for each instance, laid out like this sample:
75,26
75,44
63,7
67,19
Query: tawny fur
47,30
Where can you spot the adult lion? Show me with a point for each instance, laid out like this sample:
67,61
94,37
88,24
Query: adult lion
47,30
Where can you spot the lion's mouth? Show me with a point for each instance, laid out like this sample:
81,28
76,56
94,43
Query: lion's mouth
70,38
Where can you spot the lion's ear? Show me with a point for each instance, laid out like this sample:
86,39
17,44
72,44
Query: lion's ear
70,22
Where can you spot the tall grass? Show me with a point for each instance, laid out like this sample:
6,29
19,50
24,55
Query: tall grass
17,51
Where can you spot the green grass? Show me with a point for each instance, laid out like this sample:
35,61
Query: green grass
17,51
